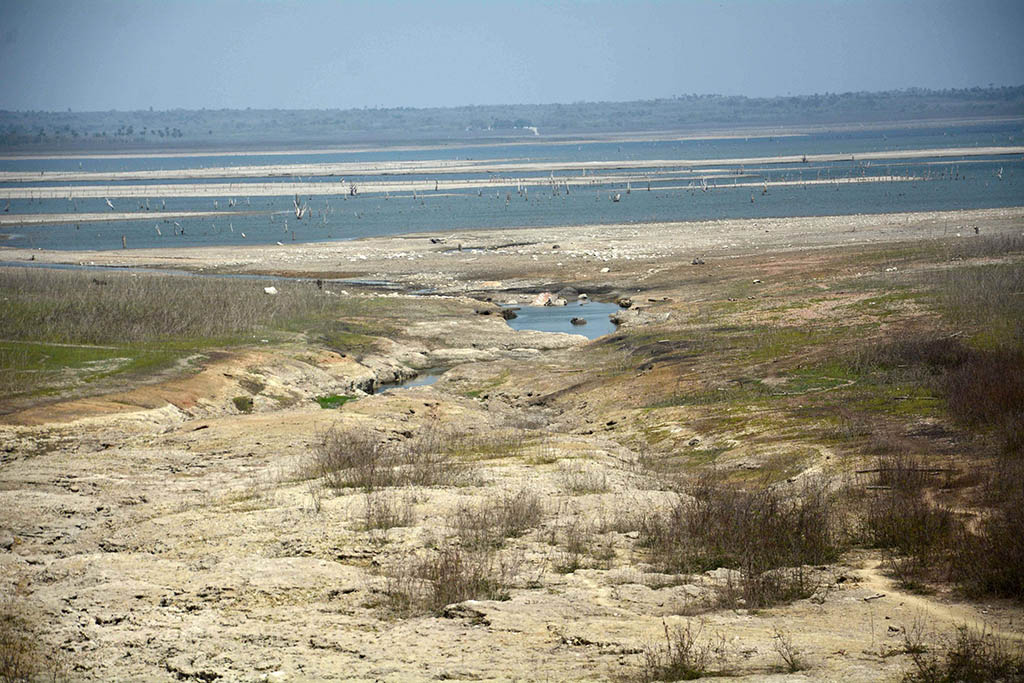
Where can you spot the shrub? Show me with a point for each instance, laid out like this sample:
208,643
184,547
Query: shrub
989,560
358,458
974,657
489,524
685,656
765,533
23,657
386,509
445,576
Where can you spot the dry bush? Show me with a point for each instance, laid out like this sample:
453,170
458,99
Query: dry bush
982,388
489,524
973,657
23,656
358,458
917,532
81,307
579,546
765,533
686,654
989,560
782,643
578,478
447,575
385,509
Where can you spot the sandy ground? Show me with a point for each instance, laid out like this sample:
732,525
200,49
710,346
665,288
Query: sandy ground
159,534
426,188
507,167
511,258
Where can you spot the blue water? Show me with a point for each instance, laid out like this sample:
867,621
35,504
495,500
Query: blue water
949,183
559,318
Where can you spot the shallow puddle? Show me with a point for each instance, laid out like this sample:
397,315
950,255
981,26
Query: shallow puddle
559,318
424,379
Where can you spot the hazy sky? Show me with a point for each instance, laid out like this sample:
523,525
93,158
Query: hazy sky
122,54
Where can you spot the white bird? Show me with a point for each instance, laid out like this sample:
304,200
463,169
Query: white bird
108,203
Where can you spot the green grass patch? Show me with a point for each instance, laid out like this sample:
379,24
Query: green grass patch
333,400
243,403
40,368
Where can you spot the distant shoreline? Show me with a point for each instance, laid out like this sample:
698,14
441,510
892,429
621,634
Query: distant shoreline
224,148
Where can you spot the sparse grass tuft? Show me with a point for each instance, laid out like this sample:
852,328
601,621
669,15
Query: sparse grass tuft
782,643
386,509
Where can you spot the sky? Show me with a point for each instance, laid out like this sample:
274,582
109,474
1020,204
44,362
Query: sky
90,55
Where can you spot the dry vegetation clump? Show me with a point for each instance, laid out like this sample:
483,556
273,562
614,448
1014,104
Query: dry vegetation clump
489,524
70,307
23,656
988,559
386,509
429,581
686,655
767,533
973,657
579,544
896,515
359,458
579,478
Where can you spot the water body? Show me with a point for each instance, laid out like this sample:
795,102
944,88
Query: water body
559,318
703,186
423,379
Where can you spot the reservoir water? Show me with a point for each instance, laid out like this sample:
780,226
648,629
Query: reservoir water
250,199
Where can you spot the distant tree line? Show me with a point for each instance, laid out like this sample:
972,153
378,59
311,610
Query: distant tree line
208,128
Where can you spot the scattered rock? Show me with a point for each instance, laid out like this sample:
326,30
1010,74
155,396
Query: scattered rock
624,302
578,321
466,610
270,290
697,261
567,293
509,313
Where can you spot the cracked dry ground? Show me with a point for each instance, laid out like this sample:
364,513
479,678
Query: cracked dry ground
159,534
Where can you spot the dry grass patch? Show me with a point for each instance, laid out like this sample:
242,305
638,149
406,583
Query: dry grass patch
433,579
687,654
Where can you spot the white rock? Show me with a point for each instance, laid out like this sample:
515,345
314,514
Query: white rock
270,290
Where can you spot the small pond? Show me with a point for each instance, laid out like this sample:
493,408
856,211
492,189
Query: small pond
559,318
424,379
